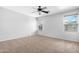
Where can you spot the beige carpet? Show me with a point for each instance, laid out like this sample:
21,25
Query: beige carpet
38,44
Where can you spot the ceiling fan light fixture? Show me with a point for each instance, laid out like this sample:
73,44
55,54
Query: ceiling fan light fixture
41,10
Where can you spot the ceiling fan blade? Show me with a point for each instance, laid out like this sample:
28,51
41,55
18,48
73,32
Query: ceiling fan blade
45,11
44,8
34,11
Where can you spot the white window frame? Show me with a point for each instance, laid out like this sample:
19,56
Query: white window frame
77,22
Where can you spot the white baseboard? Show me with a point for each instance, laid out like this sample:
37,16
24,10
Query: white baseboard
56,36
15,37
53,36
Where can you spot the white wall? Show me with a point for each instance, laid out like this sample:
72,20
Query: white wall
14,25
53,26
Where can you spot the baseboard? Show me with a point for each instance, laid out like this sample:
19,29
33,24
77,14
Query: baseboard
16,37
53,36
57,37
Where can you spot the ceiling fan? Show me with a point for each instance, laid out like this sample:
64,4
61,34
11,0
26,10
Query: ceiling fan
41,9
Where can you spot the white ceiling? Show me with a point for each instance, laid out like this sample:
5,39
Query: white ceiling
27,10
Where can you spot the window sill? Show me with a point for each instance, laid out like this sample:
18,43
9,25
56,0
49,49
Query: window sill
72,32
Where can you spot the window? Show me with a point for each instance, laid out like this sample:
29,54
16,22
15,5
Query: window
70,23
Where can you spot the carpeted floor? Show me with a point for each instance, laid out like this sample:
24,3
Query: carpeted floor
38,44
